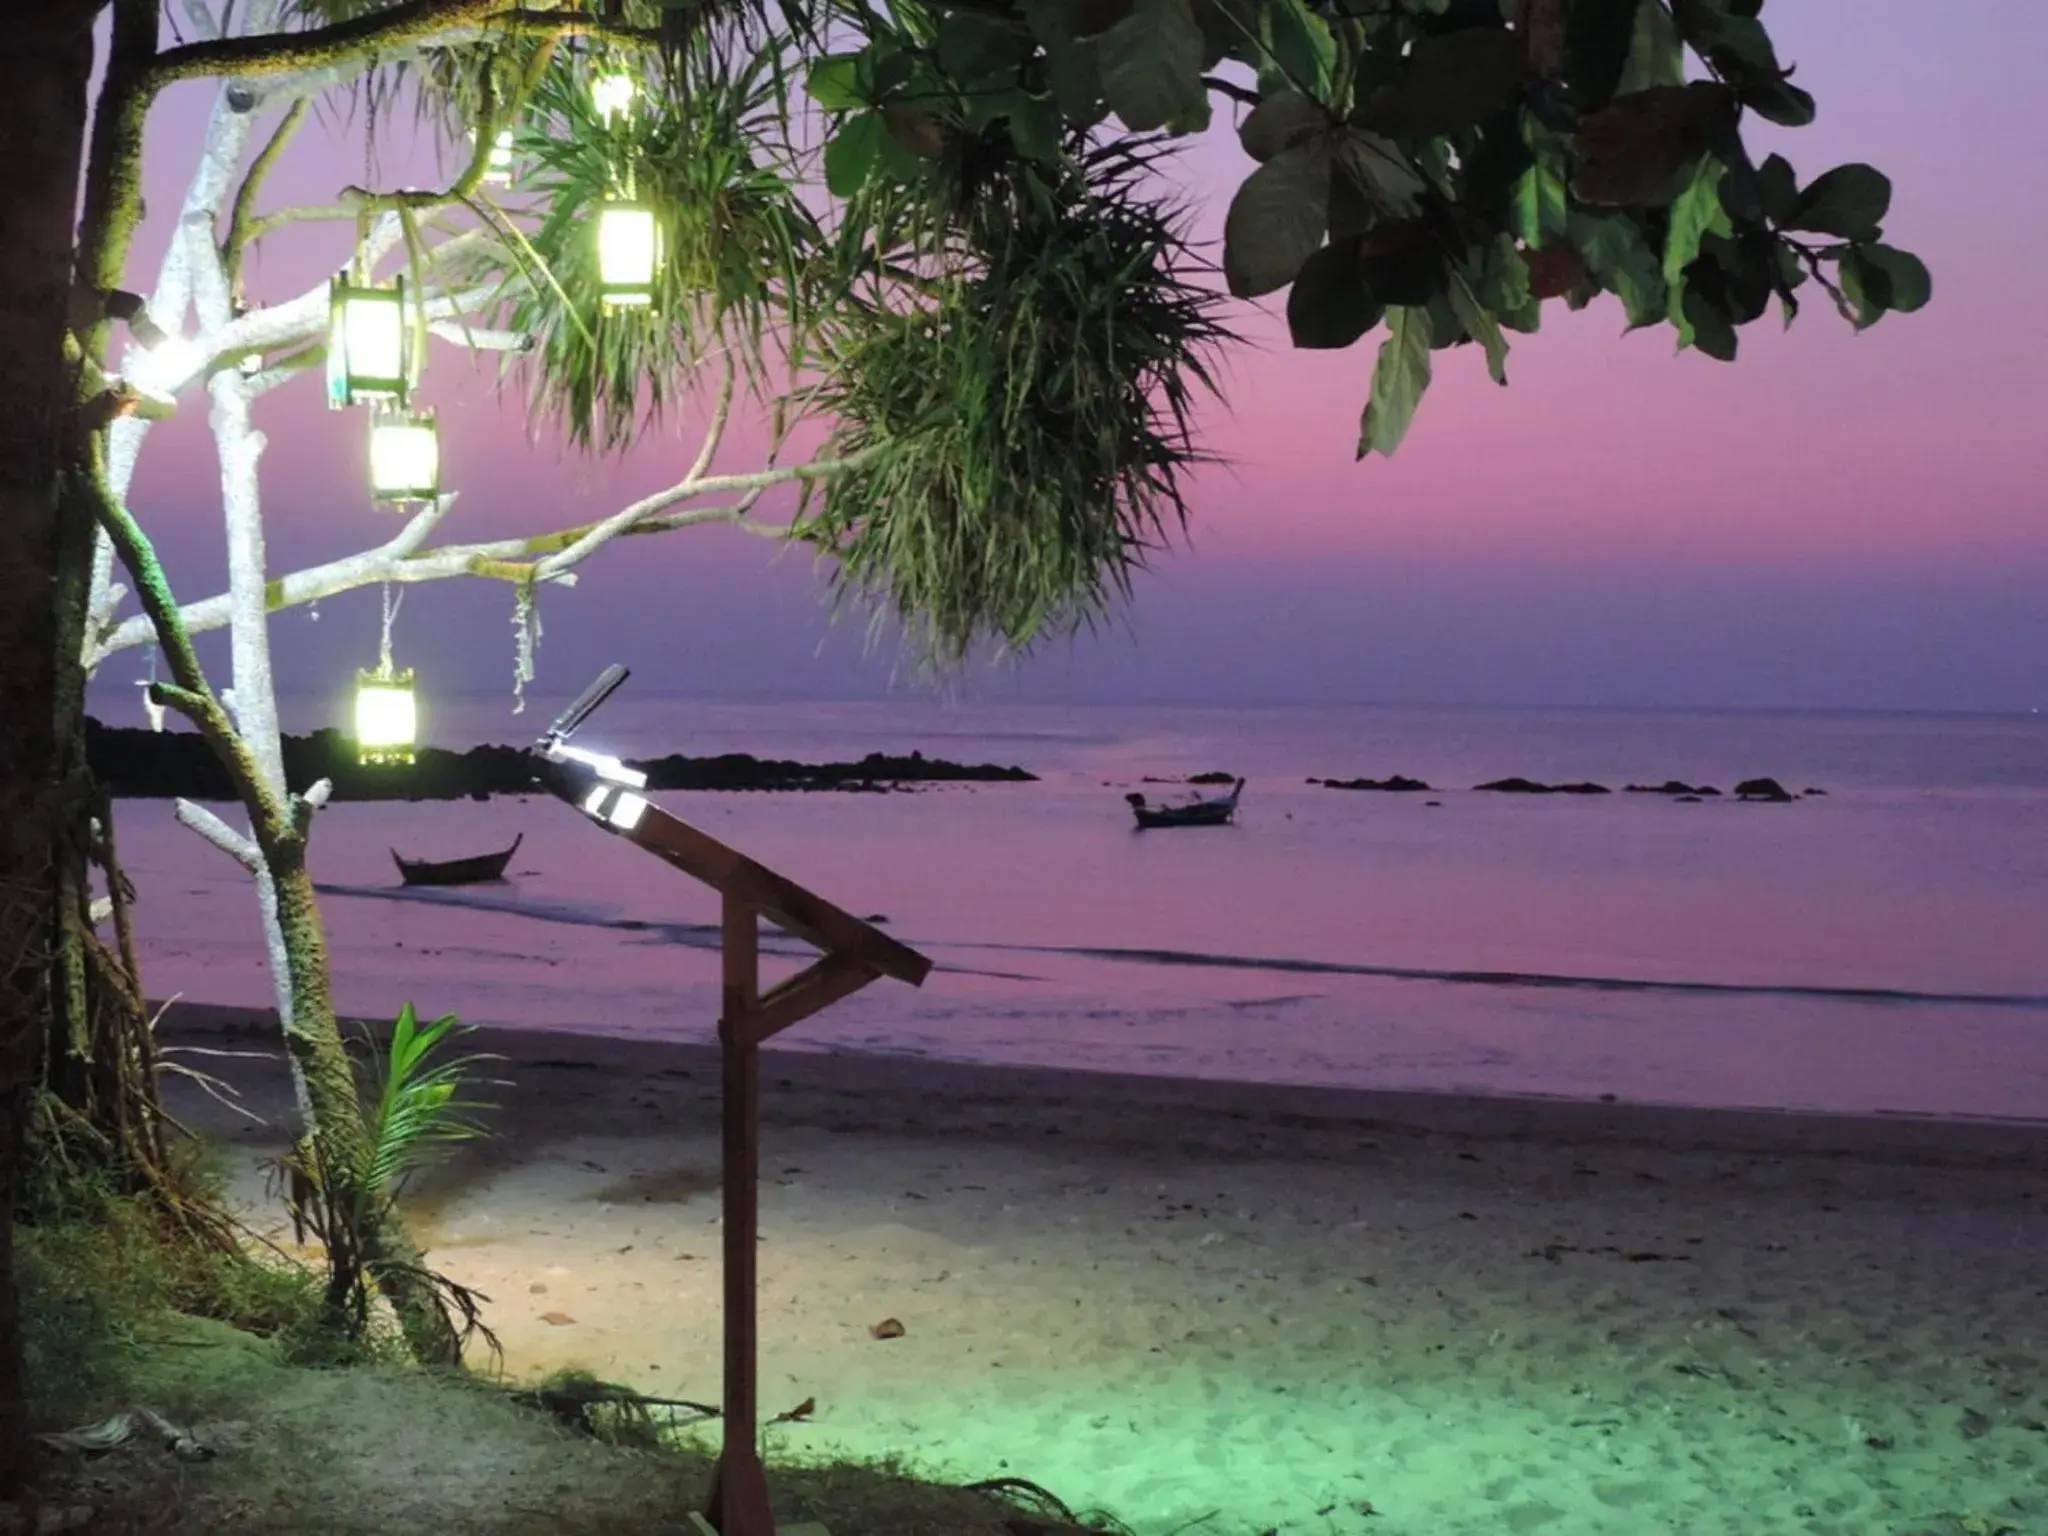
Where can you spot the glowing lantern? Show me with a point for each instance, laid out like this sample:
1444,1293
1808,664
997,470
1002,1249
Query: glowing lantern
387,717
612,94
367,355
628,251
405,459
498,164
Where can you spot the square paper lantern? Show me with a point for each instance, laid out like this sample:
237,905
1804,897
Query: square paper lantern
612,94
628,251
366,343
405,459
498,164
387,718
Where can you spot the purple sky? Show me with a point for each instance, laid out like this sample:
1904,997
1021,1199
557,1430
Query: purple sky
1836,521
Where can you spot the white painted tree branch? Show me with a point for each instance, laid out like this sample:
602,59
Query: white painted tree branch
394,563
235,845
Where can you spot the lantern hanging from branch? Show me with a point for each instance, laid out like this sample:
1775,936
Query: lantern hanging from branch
368,355
498,164
387,715
628,252
612,93
405,458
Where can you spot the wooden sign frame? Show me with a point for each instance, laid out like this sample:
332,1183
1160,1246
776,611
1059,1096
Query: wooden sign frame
852,954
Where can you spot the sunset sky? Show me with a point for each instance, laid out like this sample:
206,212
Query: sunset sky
1836,521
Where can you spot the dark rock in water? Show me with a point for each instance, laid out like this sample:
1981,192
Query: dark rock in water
1399,784
1520,786
878,919
1811,791
1688,800
1668,787
1769,791
1213,776
1433,804
138,764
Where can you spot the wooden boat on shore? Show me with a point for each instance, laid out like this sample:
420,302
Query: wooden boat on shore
472,871
1214,812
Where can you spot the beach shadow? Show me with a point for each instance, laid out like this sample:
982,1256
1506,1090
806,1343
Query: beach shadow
665,1186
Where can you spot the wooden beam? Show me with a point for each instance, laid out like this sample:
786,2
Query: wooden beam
817,986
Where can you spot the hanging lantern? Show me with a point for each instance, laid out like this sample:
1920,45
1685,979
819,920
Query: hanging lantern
367,355
612,94
387,716
405,458
628,251
498,164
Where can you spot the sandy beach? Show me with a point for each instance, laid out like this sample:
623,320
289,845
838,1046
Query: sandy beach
1233,1309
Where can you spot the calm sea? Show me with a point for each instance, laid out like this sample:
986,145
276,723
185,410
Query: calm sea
1884,946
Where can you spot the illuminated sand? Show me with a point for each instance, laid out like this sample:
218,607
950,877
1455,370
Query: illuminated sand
1285,1306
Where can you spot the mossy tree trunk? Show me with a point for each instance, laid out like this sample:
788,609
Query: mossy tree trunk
339,1133
45,70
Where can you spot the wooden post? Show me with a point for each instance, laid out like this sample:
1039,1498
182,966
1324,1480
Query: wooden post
739,1485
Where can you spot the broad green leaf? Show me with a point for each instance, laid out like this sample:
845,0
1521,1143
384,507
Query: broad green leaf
1398,383
1277,220
851,155
1696,214
1850,201
1908,284
1780,102
1865,288
1331,305
1707,328
1599,35
1151,65
1632,152
972,48
1279,122
834,83
1380,171
1072,70
1300,46
1656,56
1036,128
1541,206
1621,258
1480,326
1454,81
1778,185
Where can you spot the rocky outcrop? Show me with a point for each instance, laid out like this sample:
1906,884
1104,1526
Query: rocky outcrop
1766,791
139,764
1399,784
1531,787
1677,788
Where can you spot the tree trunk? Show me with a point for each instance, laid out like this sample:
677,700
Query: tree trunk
337,1128
45,69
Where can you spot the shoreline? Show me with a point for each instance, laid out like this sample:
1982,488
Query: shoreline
931,1084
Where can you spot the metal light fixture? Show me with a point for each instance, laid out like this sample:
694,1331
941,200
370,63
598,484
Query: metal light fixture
405,458
628,252
367,354
387,716
612,94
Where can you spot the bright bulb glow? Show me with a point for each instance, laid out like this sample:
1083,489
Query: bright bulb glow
387,718
498,165
405,459
612,94
365,344
628,250
620,807
608,768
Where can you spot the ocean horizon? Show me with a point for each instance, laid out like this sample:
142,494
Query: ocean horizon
1800,956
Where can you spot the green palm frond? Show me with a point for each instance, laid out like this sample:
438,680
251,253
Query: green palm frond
420,1107
709,150
1029,426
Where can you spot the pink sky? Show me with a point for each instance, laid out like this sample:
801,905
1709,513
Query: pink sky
1838,520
